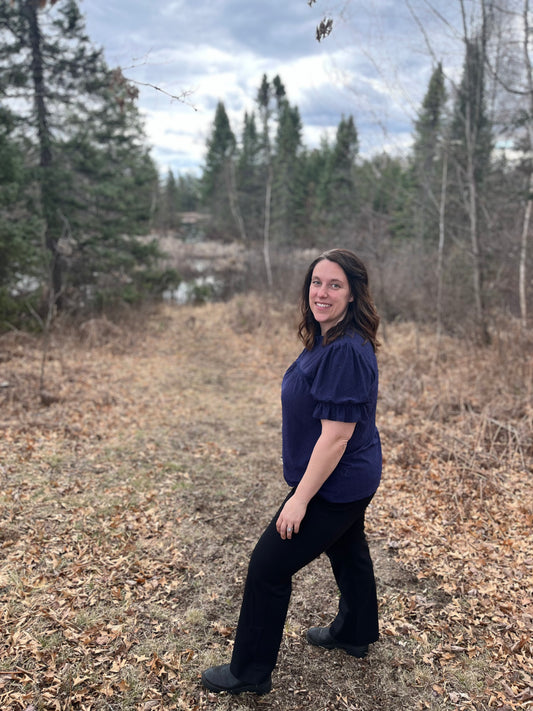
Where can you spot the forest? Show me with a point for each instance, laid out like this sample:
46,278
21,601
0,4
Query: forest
86,220
140,437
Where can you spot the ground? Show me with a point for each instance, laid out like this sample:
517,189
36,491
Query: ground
139,462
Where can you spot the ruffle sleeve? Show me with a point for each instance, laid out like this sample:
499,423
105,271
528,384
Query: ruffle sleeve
342,385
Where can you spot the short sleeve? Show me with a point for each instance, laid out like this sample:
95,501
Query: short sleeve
343,384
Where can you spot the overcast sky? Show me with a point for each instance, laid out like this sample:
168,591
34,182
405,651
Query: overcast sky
375,65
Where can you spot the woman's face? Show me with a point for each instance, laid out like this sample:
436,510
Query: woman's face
329,294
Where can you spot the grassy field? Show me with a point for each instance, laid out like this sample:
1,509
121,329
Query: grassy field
134,486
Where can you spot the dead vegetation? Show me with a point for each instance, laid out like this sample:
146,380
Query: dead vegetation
129,506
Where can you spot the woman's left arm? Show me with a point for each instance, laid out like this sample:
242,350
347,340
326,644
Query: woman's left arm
325,456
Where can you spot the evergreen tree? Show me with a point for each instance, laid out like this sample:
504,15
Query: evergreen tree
20,228
337,191
167,218
382,184
427,168
176,196
218,182
471,131
249,178
471,147
108,196
264,96
278,91
221,147
187,188
428,126
263,99
343,160
313,169
288,191
95,175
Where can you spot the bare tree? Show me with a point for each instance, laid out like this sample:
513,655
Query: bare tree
515,76
522,269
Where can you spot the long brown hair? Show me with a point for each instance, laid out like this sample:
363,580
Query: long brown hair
361,315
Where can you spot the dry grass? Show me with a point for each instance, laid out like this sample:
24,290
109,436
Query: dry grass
129,506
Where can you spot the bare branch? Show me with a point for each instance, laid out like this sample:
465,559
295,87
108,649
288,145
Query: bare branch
178,97
422,30
143,61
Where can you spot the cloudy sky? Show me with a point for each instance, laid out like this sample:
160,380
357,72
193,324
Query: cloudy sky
375,65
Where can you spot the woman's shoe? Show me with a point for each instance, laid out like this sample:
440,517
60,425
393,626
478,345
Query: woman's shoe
221,679
321,637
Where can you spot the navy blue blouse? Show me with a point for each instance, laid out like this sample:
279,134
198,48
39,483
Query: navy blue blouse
334,382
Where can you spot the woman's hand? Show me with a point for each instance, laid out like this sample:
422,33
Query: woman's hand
291,517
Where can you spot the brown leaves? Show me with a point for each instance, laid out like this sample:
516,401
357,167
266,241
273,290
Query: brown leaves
129,508
456,505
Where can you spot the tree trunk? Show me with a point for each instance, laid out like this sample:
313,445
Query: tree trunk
471,132
233,201
266,228
474,241
440,254
522,270
522,289
51,235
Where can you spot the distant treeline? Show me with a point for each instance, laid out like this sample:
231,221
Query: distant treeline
445,229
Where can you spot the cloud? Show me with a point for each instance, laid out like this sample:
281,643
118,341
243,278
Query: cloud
374,66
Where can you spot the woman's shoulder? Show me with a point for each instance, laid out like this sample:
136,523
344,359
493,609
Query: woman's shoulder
352,341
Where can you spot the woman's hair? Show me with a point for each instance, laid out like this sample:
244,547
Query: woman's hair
361,315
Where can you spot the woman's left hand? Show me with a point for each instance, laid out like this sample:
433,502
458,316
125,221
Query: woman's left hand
291,517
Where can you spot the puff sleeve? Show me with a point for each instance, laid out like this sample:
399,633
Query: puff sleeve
343,385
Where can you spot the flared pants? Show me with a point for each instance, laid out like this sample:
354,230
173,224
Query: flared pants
331,528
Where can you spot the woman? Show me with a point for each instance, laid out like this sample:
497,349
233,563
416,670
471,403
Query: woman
332,462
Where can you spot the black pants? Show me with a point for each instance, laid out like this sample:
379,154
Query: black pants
334,529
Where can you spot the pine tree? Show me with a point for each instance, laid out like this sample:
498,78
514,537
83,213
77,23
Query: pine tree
428,126
429,148
109,194
288,194
221,147
249,178
337,191
167,218
95,175
313,169
188,192
343,160
471,144
471,132
219,182
20,228
425,203
264,96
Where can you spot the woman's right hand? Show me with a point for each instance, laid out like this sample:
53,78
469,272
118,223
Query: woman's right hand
291,517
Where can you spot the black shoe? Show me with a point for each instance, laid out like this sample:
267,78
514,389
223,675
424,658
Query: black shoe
321,637
221,679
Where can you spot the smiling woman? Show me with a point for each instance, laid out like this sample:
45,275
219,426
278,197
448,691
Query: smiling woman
329,294
359,313
332,464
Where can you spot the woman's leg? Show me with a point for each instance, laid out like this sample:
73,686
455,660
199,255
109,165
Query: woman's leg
357,619
269,581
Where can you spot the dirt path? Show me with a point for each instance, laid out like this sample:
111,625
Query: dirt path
130,504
